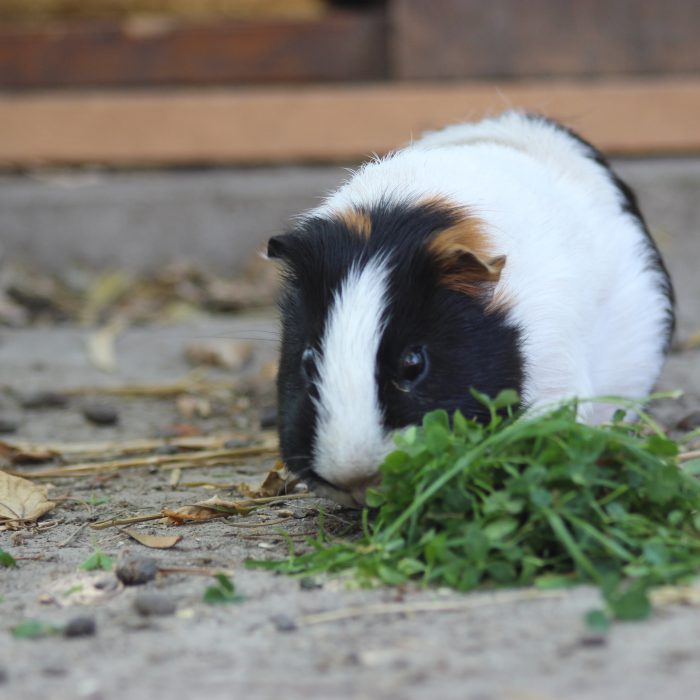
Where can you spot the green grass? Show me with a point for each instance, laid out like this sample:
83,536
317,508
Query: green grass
526,500
222,591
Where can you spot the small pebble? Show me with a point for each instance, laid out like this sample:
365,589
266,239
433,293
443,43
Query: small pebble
53,670
135,570
100,414
154,603
268,417
308,583
43,399
109,583
283,623
3,675
8,426
166,450
235,443
593,640
82,626
689,422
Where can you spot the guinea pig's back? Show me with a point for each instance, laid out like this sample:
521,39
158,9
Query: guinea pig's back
582,280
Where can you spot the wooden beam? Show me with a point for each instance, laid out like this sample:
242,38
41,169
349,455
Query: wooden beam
326,124
338,46
546,38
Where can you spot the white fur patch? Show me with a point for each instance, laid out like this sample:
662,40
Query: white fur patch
351,442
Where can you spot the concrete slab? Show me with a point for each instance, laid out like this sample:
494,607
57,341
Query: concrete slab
143,220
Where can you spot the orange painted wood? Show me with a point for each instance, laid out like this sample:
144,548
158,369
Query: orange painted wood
326,124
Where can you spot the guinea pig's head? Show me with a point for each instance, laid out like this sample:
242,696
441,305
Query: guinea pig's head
387,313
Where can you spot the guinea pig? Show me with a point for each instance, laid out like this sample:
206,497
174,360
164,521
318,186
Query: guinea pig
499,254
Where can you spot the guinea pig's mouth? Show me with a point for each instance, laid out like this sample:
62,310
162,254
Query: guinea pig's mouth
351,498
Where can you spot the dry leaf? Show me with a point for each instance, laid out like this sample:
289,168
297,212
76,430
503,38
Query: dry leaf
268,371
228,354
24,453
692,342
278,482
175,476
154,541
213,507
20,499
675,595
191,406
100,346
105,290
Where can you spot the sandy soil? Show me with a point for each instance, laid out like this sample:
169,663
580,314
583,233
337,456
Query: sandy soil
272,645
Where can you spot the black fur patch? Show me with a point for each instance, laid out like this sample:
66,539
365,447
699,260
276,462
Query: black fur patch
467,346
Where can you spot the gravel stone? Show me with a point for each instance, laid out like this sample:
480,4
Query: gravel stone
283,623
7,425
43,399
689,422
308,583
135,570
82,626
100,414
149,603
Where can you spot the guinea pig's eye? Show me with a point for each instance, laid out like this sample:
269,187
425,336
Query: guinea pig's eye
413,365
308,363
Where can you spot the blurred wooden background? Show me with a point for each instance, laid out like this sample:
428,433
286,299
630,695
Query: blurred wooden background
162,82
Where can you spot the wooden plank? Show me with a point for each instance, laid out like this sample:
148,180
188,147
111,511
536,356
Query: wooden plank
338,46
548,38
326,124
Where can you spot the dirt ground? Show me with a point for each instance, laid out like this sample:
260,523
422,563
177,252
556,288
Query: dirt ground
277,643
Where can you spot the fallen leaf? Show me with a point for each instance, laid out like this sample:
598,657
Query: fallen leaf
191,406
227,354
213,507
180,430
105,290
100,346
21,500
676,595
693,341
277,483
24,454
175,476
190,514
154,541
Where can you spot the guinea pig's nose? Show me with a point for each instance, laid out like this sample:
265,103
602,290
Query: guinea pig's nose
358,489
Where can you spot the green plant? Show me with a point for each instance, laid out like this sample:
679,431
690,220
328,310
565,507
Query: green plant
6,559
98,560
537,499
34,629
223,591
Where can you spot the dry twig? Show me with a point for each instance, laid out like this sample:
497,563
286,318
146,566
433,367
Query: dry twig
188,460
425,606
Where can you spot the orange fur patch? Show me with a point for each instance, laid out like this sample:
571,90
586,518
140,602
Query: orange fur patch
358,221
466,259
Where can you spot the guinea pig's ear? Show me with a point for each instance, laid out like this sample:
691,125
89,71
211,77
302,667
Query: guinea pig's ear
465,271
278,248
